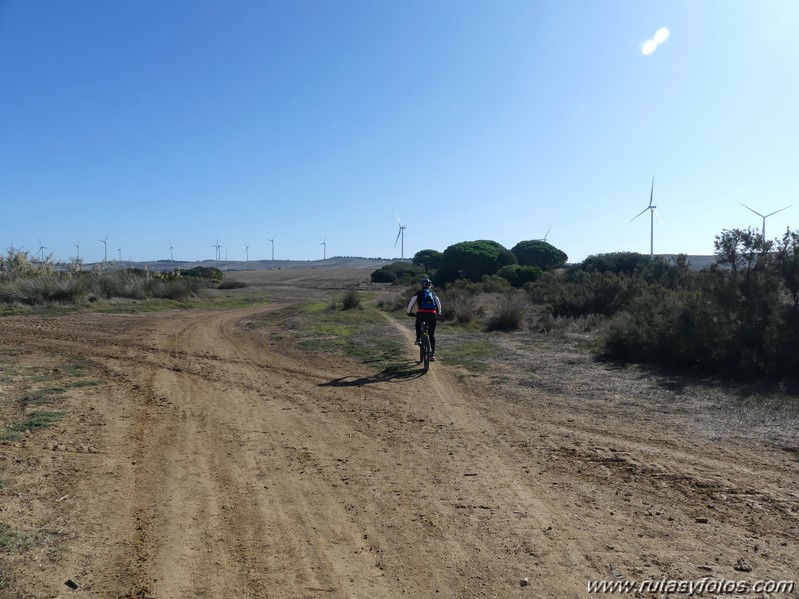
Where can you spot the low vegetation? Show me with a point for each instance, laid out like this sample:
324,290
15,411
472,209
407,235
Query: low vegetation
736,319
359,331
24,282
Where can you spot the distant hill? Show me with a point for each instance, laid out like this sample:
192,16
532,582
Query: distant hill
241,265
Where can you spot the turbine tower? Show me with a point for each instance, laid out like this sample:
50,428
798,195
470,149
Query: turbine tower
171,252
400,235
272,241
41,251
217,246
324,248
652,214
763,230
77,247
247,252
105,249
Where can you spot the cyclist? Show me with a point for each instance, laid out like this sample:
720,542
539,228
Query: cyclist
428,309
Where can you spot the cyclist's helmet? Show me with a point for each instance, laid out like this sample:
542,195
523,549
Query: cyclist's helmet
427,283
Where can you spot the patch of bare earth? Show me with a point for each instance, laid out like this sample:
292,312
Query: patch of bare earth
225,464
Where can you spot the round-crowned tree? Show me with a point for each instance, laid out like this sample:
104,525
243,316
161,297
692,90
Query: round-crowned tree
539,253
472,260
617,262
428,259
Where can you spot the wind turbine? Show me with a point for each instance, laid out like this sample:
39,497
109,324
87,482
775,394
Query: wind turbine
171,252
652,214
77,247
324,249
247,250
217,246
763,230
41,250
120,254
400,234
105,249
272,241
547,234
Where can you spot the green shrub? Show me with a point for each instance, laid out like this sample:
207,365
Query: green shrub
350,300
403,273
509,316
592,293
615,262
232,285
494,284
203,272
518,276
460,307
381,275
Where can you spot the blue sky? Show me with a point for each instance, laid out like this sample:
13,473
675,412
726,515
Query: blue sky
192,121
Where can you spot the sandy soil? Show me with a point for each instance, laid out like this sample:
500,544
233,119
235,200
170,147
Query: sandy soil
214,463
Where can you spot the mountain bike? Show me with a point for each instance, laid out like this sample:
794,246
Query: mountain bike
424,346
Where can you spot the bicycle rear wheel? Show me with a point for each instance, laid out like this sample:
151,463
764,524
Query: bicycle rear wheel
424,352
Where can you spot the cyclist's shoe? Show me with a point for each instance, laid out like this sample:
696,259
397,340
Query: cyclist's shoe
432,357
417,342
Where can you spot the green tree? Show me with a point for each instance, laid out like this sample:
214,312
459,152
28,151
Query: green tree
539,253
428,259
787,259
519,275
615,262
397,272
472,260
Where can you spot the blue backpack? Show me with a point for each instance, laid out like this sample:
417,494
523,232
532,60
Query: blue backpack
427,300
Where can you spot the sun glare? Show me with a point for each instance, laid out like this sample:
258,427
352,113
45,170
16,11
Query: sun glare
661,36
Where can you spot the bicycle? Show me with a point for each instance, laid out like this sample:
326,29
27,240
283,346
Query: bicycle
424,346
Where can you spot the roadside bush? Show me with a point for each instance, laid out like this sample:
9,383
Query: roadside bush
350,300
403,273
494,284
382,275
51,288
175,289
232,285
615,262
203,272
592,293
461,308
518,276
508,317
397,302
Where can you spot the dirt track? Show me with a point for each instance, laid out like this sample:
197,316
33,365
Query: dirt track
214,464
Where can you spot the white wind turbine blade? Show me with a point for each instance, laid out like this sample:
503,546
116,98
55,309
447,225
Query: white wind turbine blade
396,241
652,190
656,214
755,211
639,214
775,212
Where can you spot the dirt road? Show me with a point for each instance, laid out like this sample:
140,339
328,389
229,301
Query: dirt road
213,463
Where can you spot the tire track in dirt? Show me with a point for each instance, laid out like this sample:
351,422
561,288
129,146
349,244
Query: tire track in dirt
231,466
